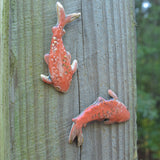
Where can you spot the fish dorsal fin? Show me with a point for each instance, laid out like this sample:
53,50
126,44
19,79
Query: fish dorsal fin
112,94
100,99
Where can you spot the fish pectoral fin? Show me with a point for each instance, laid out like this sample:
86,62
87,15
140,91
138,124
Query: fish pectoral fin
74,66
85,125
46,57
46,79
108,121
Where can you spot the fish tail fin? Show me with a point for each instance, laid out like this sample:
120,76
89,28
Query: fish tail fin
71,17
76,131
80,139
62,18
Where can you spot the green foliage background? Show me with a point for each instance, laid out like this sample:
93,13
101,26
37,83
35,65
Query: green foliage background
148,79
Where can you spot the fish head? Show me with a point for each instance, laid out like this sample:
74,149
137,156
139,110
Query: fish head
123,113
126,115
118,112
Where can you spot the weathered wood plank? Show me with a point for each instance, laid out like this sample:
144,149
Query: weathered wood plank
4,80
108,62
40,117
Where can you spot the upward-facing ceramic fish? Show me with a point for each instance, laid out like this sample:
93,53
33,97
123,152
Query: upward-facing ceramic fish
58,59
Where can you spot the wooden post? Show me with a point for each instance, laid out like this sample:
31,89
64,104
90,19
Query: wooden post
103,42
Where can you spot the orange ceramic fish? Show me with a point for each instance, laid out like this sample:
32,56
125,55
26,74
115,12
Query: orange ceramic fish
109,111
58,60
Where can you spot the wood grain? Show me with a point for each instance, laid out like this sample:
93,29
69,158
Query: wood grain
109,53
4,80
103,42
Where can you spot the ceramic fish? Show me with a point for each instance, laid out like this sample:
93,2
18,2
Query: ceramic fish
109,111
58,59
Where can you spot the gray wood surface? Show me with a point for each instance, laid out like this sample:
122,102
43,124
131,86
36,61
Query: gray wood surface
4,81
103,42
109,62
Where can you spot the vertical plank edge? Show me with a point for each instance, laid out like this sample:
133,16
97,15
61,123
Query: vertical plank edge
134,92
4,77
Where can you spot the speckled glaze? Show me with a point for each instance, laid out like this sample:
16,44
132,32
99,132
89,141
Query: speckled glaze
59,60
109,111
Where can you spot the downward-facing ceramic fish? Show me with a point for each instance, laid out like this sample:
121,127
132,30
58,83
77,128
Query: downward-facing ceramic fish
109,111
58,60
